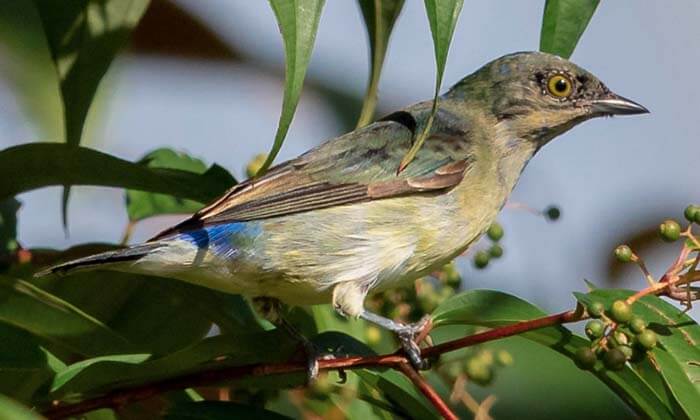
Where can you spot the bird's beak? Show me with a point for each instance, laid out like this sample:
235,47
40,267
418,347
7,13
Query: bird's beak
617,105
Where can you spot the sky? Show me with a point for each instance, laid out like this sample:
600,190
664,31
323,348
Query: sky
611,177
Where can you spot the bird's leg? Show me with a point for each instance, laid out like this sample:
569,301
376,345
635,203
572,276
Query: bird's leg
271,309
406,333
348,300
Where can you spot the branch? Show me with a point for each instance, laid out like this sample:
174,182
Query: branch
216,375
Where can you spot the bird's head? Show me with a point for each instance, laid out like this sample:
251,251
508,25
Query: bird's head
538,96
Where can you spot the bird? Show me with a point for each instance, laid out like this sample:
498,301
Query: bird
340,221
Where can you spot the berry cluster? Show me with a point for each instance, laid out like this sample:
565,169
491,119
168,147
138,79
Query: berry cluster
617,336
482,257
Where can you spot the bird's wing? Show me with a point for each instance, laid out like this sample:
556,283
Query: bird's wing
357,167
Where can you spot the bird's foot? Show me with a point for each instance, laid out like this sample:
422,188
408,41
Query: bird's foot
410,336
312,356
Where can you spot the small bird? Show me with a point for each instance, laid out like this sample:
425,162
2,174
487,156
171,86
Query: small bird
340,222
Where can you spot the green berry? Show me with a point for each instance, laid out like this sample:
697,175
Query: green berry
478,371
481,259
614,359
596,309
621,312
552,213
496,251
670,230
452,277
627,351
647,339
624,253
621,338
504,358
595,329
495,232
585,358
692,213
637,325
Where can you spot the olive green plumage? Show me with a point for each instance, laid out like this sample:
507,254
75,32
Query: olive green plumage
338,222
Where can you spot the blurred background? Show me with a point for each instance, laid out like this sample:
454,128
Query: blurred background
206,78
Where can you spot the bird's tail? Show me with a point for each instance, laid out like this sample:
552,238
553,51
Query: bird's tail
101,260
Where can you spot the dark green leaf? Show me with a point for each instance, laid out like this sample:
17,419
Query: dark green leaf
55,320
379,16
214,410
25,367
400,392
84,36
298,23
442,15
28,68
10,409
563,24
95,376
491,309
30,166
678,355
140,204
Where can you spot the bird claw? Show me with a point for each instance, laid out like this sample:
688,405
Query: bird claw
409,337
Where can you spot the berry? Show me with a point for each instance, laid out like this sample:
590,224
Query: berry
478,371
596,309
621,338
627,351
637,325
496,251
614,359
585,358
552,213
481,259
595,329
504,358
624,253
373,334
670,230
692,213
647,339
495,232
621,312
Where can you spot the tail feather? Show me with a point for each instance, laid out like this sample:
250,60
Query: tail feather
93,261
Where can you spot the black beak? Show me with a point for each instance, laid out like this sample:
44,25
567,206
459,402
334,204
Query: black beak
617,105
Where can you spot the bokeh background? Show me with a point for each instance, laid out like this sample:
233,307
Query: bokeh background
206,78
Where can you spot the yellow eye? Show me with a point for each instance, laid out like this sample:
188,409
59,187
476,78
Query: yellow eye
559,86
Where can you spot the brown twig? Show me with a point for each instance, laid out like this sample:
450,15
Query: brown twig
216,375
427,391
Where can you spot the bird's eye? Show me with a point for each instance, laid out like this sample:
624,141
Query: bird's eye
559,86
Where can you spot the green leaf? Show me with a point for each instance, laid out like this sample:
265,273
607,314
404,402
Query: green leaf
28,68
442,15
298,23
140,204
46,316
400,392
379,17
84,36
10,409
25,367
491,309
30,166
156,315
678,354
71,371
563,24
215,410
99,375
